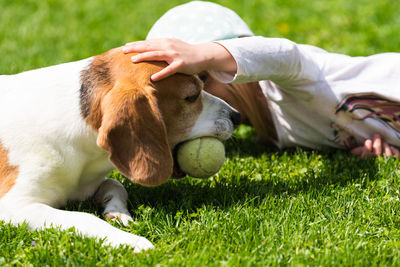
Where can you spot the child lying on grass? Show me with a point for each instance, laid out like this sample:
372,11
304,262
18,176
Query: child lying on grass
293,94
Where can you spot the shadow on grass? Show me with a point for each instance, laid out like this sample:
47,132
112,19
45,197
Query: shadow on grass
338,170
189,194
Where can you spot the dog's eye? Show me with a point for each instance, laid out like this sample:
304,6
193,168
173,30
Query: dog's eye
192,98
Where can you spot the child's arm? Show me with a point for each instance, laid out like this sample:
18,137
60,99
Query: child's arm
244,59
279,60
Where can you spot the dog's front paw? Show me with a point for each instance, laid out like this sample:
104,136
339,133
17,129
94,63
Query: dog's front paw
124,218
142,244
138,243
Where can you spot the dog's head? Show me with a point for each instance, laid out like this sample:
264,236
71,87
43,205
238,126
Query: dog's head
139,123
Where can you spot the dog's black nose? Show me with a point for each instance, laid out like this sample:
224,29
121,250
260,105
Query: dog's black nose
236,118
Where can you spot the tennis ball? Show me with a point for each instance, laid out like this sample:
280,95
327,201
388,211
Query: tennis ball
201,157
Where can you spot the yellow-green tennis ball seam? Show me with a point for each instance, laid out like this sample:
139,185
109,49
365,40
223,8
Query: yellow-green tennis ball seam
201,157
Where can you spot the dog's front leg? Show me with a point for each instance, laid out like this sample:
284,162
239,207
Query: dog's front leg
112,196
39,216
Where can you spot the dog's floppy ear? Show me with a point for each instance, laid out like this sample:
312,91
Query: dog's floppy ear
134,135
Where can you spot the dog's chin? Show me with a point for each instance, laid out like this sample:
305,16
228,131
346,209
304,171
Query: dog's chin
177,172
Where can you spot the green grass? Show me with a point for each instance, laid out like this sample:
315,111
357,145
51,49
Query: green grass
265,207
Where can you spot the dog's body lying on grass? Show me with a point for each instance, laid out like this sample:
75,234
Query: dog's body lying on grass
63,128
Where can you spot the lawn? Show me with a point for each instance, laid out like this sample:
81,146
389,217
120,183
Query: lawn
265,207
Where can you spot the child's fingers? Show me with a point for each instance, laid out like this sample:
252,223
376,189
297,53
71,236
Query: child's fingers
363,151
386,150
135,47
395,151
128,48
370,148
368,145
367,148
377,145
149,45
357,151
164,73
142,46
151,56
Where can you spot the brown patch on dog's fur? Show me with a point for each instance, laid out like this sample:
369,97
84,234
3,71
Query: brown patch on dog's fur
101,76
8,173
96,76
96,80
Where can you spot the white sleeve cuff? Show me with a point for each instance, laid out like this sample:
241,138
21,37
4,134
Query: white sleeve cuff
237,48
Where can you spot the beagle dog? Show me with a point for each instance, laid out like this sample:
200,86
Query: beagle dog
64,127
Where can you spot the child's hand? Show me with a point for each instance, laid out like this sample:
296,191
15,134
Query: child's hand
181,57
375,147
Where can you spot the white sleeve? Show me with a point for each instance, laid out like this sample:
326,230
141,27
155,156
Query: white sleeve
279,60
